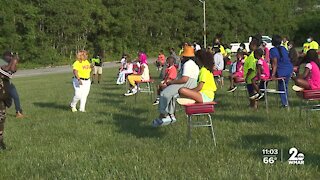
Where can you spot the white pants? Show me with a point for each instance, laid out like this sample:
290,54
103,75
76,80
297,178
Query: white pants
122,76
81,93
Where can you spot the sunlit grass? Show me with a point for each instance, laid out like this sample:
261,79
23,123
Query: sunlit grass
114,139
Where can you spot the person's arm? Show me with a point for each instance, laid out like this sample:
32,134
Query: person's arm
199,87
141,69
76,75
259,72
248,74
182,80
306,73
274,66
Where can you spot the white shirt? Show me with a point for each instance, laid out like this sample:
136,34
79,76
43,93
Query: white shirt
218,61
123,61
190,69
197,48
145,75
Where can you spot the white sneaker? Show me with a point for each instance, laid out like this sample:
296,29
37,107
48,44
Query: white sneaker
134,90
254,96
297,88
129,93
74,109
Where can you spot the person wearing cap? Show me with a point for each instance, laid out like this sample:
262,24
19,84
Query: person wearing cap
81,81
97,68
187,78
8,66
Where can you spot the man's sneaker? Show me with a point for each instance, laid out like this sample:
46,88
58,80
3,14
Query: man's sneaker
74,109
2,146
254,96
19,115
260,96
297,88
232,89
156,102
157,122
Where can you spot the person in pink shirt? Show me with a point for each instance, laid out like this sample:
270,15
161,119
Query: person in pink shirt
263,73
170,74
266,51
310,79
237,71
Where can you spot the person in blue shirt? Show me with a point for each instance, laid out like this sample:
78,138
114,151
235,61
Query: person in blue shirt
281,66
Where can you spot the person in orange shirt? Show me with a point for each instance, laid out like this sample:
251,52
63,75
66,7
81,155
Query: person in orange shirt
170,74
161,60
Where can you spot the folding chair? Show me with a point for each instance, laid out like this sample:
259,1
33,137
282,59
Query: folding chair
273,91
309,96
218,75
199,109
147,89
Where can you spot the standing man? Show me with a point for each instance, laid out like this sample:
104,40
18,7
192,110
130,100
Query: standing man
5,99
97,69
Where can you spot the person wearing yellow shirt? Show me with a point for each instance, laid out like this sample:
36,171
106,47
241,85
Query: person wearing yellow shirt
313,44
81,81
205,90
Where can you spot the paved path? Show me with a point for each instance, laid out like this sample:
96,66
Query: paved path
59,69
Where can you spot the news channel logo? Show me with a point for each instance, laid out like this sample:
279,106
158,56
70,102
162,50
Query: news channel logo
273,155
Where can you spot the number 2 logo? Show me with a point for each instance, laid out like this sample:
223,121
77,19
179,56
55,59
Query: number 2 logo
294,155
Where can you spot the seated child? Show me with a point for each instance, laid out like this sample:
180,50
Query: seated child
123,62
263,73
128,69
310,79
142,76
161,60
238,70
170,74
206,88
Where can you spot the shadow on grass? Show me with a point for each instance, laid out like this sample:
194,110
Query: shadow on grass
312,159
239,118
261,139
133,125
51,105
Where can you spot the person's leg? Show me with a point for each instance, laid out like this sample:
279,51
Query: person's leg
77,93
15,96
133,78
2,121
166,101
231,78
85,92
281,87
99,74
255,86
302,83
188,93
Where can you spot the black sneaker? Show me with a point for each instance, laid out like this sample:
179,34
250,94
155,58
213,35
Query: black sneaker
2,146
232,89
156,102
255,96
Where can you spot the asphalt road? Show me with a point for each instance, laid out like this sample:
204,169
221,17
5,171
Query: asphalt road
59,69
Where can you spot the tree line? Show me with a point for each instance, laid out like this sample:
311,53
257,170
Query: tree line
49,31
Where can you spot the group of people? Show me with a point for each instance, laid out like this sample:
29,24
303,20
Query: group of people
263,65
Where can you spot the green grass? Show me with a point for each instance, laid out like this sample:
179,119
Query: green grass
115,140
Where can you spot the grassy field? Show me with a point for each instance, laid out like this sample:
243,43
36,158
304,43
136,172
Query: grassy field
115,140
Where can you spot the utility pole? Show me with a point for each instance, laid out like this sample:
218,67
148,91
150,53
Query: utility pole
204,23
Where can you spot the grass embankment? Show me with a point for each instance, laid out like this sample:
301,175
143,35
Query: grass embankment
114,139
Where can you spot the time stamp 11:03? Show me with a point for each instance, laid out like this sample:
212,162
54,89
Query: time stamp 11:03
273,155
